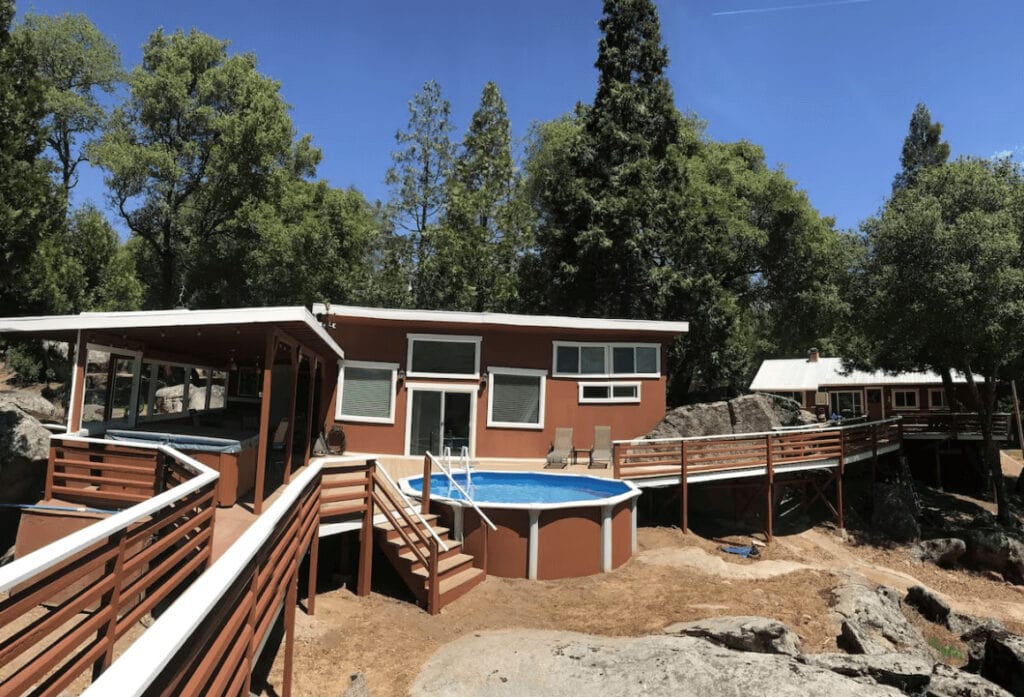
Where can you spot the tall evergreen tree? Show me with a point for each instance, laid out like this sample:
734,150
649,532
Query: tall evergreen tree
419,176
29,207
922,148
76,63
603,227
477,247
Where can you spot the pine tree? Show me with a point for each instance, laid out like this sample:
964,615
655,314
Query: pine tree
604,225
922,148
418,179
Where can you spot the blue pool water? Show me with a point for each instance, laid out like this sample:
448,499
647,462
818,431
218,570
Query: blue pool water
522,487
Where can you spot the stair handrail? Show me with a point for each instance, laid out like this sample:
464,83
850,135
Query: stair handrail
468,498
409,506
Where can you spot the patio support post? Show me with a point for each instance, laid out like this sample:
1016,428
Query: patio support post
293,360
78,384
314,554
310,419
770,519
261,457
366,535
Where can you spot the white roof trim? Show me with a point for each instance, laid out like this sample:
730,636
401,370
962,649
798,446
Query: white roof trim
498,318
168,318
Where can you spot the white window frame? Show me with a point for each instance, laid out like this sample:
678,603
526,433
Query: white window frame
411,387
904,391
796,396
932,391
151,398
609,399
452,338
609,371
863,399
97,426
372,365
491,372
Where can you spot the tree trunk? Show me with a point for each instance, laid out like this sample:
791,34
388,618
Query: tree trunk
985,405
952,403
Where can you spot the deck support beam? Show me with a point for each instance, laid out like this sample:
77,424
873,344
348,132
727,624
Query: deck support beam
261,456
534,542
366,536
684,494
770,486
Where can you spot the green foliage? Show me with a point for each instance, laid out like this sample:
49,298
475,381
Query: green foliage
75,62
944,281
641,215
29,206
201,135
922,148
476,248
948,652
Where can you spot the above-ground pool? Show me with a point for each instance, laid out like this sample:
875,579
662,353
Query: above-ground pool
548,525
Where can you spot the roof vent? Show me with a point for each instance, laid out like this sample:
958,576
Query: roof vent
812,356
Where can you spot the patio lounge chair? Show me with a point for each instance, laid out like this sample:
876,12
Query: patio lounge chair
601,453
561,450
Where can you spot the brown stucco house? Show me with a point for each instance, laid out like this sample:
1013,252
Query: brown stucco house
497,384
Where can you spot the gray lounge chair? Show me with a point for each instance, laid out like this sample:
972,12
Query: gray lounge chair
561,449
601,453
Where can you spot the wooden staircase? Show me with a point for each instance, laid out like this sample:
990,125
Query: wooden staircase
409,546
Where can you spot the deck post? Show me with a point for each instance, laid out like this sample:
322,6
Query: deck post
366,535
50,469
261,456
770,474
425,490
684,493
75,402
434,599
839,479
616,474
310,420
108,633
290,601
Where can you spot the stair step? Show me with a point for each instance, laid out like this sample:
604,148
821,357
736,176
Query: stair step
444,565
429,517
396,537
408,555
468,577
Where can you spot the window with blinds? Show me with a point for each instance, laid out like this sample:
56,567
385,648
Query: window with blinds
516,398
433,355
367,392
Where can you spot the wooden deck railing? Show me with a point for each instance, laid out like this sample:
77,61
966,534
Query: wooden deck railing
739,453
69,602
207,642
955,424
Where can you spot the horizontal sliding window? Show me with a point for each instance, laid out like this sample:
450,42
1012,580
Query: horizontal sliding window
904,399
367,392
606,360
937,398
434,355
515,398
609,392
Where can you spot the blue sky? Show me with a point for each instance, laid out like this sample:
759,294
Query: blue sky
825,87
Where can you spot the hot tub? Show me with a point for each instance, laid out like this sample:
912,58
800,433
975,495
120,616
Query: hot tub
549,525
232,454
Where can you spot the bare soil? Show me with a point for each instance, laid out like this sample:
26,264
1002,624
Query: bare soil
673,577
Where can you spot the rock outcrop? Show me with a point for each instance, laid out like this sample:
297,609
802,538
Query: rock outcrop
757,634
872,621
24,444
895,512
995,550
1004,662
944,552
747,414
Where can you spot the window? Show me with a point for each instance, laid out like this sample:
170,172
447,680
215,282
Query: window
609,392
904,399
937,398
606,360
367,392
515,398
109,390
846,403
434,355
797,397
169,390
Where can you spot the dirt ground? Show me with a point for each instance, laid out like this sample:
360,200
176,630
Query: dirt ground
673,577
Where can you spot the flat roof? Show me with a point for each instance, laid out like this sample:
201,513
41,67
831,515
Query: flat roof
502,319
62,327
801,374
